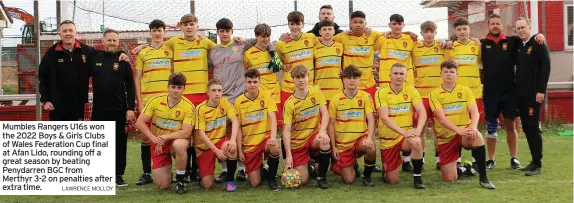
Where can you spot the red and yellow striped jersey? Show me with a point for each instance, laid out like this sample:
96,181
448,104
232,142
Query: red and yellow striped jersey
467,56
190,58
155,65
304,116
254,118
360,51
401,109
455,107
165,120
213,120
328,67
427,60
350,116
297,52
254,58
395,50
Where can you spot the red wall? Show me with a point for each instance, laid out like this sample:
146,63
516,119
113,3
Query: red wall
554,23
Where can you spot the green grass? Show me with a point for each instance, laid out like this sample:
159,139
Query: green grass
554,185
10,89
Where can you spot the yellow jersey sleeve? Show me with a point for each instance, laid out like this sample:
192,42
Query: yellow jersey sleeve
150,106
333,107
201,122
470,96
230,111
271,107
381,100
139,61
288,111
170,42
434,101
189,117
416,97
369,103
320,96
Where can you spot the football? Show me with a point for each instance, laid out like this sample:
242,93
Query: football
291,178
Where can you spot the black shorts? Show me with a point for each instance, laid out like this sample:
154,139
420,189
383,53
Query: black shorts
496,104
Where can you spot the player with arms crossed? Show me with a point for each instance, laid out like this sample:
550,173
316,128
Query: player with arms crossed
395,103
211,141
456,119
305,127
172,119
153,67
258,134
352,128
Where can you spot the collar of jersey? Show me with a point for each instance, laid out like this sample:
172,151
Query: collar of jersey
226,45
501,37
245,93
455,85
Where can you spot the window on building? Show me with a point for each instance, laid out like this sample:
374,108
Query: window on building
569,28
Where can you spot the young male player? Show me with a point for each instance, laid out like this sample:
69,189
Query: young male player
305,127
352,128
467,54
395,103
258,134
258,57
427,56
172,118
456,119
153,67
211,141
359,50
397,48
297,51
328,57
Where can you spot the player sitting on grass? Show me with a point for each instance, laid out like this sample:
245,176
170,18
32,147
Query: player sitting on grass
395,103
305,127
211,141
456,118
352,128
172,118
258,135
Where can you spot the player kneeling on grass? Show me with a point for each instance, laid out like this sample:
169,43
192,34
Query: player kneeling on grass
395,103
172,117
305,121
456,118
211,141
258,135
352,128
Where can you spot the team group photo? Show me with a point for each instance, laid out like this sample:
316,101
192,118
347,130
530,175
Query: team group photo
316,108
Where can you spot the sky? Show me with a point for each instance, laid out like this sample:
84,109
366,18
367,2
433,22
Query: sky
245,14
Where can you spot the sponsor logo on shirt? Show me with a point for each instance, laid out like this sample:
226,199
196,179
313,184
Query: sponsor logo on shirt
451,108
397,54
359,50
263,68
331,61
308,113
429,60
167,124
254,117
465,59
351,114
156,63
187,54
399,109
300,55
216,123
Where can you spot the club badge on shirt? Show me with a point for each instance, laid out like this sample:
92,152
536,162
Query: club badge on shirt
504,46
84,58
459,95
116,65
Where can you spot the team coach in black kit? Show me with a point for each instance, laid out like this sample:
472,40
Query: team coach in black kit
532,73
114,94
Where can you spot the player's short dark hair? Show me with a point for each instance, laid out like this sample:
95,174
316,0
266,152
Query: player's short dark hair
67,22
460,21
156,24
177,79
327,7
224,24
299,71
214,82
428,25
449,64
188,18
358,14
110,31
262,30
326,23
351,71
397,18
494,15
252,73
296,17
